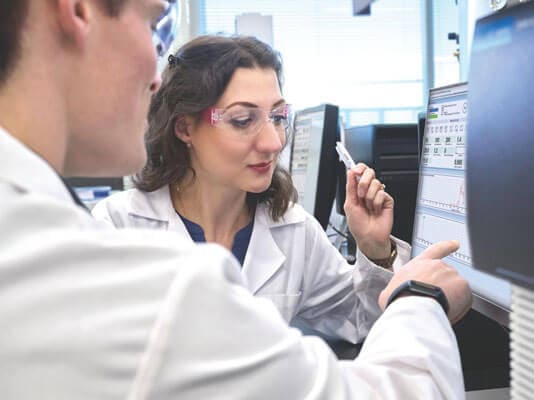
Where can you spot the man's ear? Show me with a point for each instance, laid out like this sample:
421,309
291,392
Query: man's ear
73,19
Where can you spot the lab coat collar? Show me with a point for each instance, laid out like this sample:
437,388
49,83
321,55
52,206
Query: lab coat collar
156,205
27,171
294,215
264,258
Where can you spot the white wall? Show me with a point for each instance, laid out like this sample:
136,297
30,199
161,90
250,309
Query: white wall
469,12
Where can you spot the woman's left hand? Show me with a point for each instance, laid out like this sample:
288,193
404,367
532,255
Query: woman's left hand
369,211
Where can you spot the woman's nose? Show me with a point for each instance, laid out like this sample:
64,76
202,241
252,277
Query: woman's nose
270,138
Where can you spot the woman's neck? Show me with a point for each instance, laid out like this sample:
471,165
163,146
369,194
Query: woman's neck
220,212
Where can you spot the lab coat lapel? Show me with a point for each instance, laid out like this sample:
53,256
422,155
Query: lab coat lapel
264,257
157,205
27,170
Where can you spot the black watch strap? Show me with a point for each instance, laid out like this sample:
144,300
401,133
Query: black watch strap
416,288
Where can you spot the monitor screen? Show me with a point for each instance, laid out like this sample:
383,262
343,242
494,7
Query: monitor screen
314,160
441,207
501,167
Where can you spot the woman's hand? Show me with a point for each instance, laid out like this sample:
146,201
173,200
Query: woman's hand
369,211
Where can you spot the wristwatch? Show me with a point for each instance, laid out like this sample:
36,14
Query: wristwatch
416,288
388,261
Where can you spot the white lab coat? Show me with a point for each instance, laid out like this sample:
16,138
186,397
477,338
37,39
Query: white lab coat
90,312
291,262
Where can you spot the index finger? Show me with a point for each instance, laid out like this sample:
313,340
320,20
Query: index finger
360,168
352,179
439,250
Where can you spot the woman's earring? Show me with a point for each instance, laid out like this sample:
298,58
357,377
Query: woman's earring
188,145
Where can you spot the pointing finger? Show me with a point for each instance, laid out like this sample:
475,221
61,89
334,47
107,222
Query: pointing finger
439,250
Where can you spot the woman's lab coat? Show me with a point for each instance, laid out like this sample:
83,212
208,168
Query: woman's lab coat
290,262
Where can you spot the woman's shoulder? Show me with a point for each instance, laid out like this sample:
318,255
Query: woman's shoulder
133,201
121,199
115,200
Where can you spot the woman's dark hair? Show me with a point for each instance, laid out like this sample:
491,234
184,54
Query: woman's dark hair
196,77
13,15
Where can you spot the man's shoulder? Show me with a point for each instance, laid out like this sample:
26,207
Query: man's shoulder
34,217
95,296
64,239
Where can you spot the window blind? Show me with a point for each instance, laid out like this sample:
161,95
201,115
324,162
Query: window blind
370,66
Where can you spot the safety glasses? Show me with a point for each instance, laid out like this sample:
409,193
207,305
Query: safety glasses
165,30
244,122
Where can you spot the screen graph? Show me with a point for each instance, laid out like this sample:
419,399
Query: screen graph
431,228
443,192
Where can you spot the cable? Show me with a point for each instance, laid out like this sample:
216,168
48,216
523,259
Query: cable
338,231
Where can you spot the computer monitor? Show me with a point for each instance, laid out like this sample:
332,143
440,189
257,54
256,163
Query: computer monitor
441,208
392,150
501,136
361,7
314,162
501,169
115,183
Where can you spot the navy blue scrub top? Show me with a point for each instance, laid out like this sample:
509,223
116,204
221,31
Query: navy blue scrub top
241,240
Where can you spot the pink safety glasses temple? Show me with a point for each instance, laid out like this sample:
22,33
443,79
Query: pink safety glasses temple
210,115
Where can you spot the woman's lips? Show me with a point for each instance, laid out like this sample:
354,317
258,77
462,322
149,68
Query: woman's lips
261,167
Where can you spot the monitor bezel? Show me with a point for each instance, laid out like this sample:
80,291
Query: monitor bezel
328,162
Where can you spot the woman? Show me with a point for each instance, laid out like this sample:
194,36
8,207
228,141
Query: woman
216,128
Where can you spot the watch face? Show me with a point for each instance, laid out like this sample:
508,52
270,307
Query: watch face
413,287
424,285
424,289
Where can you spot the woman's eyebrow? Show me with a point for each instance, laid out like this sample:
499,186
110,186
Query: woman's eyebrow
253,105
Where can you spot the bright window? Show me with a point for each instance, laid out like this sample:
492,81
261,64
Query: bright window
370,66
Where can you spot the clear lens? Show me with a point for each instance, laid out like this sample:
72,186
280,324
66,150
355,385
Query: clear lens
248,121
165,30
245,120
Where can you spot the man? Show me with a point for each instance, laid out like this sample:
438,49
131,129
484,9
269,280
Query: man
94,313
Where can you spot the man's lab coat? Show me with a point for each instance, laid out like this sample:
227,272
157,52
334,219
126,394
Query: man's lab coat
95,313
